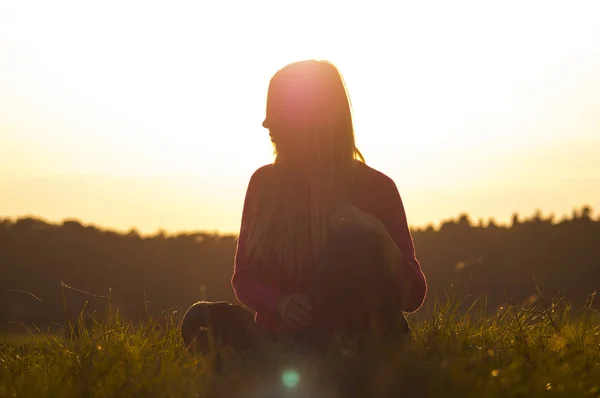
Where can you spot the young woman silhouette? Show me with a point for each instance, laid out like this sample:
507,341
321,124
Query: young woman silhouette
324,246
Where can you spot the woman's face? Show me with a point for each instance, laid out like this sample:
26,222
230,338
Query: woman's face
270,121
266,125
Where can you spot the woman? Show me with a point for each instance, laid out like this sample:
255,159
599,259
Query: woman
324,246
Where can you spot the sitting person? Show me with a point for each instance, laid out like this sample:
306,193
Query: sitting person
324,246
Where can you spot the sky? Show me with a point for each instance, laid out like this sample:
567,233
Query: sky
148,114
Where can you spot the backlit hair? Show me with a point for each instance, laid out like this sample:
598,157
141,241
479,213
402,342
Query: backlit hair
310,120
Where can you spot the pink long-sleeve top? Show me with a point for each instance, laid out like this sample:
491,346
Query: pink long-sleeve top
374,193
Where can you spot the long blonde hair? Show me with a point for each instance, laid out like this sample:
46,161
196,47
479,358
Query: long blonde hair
310,121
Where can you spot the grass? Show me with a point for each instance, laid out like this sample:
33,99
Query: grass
538,350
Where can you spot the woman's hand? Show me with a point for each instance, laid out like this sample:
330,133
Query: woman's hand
295,311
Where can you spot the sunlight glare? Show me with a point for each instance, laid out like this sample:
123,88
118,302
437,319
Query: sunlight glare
441,96
290,378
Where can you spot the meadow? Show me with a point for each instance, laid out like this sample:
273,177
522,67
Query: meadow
458,349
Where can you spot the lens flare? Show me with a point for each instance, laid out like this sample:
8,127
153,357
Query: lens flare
290,378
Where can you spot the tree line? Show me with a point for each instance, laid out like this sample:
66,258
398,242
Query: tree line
50,272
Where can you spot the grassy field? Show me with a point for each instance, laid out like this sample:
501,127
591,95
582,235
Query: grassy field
540,350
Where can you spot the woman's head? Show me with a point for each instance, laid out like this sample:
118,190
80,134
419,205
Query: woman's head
310,122
308,113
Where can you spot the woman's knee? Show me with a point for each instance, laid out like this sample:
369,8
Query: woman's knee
194,325
351,240
219,322
352,232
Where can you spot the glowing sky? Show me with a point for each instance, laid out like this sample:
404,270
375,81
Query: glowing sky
148,114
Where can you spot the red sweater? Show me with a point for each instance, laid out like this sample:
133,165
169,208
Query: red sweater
374,193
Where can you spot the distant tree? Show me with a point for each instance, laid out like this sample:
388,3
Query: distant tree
464,220
586,213
133,233
537,218
160,234
515,220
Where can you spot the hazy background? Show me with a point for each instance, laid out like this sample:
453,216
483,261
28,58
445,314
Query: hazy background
148,114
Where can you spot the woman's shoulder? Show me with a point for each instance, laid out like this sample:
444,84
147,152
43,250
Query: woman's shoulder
373,177
366,176
261,173
261,177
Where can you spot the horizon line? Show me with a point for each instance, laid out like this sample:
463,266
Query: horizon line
215,231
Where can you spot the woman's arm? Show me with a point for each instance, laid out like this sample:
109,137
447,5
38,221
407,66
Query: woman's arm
410,277
248,287
389,224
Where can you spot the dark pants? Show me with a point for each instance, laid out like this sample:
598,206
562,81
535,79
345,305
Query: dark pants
352,294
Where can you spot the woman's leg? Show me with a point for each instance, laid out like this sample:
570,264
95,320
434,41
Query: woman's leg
219,322
353,288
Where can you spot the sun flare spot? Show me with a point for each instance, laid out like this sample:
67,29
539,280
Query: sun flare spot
290,378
